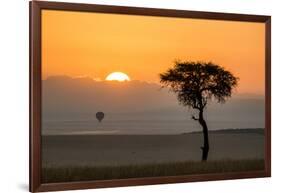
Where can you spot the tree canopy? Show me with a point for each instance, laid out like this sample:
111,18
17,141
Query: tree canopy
197,82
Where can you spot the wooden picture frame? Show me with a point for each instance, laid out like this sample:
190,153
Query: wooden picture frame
36,97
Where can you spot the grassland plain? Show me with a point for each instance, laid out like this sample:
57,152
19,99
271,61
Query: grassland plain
53,174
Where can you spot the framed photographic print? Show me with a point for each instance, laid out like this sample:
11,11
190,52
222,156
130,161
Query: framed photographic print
123,96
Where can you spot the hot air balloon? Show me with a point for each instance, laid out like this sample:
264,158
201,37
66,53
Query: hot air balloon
100,116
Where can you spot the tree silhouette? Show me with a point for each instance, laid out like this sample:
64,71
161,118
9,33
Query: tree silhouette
196,83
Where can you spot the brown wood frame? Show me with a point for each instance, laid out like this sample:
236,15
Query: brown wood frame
35,8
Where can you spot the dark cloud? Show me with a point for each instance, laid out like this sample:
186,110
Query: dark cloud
74,98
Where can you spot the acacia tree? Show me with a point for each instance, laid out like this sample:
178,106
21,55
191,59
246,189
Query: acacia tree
196,83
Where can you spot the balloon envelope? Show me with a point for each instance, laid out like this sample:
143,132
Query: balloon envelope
100,116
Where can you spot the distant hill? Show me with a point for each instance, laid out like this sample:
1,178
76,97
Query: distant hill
259,131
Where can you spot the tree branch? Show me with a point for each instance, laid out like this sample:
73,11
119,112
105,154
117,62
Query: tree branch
194,118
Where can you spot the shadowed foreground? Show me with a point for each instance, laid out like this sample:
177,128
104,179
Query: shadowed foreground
101,150
66,174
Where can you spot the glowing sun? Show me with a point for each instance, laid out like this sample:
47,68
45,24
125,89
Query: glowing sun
119,76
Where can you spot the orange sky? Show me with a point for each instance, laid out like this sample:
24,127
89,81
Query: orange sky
94,44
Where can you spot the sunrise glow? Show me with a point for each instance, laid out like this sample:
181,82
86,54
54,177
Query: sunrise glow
118,76
98,46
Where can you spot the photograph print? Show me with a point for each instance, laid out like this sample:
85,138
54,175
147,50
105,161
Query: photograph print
133,96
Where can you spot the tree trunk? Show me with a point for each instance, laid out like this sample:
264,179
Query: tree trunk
205,148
